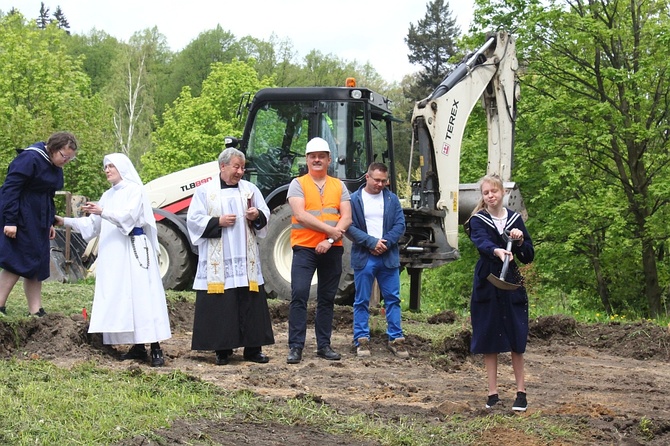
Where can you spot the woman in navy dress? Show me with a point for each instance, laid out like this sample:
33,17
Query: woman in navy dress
499,317
27,212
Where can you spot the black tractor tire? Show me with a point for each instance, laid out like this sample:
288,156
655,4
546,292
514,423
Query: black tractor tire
277,256
176,262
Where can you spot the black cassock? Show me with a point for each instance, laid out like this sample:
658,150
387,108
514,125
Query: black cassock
236,318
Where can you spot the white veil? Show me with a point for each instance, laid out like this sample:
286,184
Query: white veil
127,171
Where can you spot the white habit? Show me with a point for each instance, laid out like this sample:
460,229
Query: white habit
129,305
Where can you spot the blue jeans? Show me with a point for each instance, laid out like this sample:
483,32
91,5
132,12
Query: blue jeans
328,269
389,285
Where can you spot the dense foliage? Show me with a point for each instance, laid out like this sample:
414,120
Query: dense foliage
194,128
43,89
594,156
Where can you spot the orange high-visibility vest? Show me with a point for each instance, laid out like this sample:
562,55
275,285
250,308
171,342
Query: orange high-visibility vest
325,207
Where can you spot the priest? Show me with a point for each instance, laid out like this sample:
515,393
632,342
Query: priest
224,219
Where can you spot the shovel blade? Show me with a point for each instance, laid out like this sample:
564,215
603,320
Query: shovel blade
501,284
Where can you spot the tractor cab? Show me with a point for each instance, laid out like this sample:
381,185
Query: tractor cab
355,122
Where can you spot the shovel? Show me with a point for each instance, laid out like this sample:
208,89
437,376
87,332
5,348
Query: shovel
499,282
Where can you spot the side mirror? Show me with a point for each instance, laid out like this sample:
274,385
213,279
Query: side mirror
231,141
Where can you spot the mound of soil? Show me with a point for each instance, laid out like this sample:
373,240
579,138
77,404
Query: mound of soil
610,376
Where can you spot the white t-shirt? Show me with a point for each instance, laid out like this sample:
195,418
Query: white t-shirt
373,207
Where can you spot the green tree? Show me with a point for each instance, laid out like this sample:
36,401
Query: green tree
194,128
43,18
261,52
287,70
99,51
191,66
432,42
43,89
402,106
137,72
60,19
321,70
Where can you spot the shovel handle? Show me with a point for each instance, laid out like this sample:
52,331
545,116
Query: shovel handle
505,266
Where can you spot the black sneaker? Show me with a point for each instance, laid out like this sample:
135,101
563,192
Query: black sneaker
40,313
520,403
137,351
3,311
492,401
157,359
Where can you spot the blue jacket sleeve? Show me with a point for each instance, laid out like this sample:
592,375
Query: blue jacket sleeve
397,227
396,220
360,237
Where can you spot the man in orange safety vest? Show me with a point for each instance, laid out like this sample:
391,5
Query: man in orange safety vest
321,215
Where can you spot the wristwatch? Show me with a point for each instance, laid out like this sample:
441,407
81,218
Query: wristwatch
330,240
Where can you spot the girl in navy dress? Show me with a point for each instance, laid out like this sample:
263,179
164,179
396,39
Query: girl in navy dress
499,317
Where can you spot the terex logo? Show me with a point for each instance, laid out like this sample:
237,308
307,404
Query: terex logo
195,184
452,120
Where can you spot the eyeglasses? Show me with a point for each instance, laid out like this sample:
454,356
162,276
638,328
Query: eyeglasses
67,158
379,180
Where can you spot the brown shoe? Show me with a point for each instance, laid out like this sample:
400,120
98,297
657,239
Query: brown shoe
397,347
363,349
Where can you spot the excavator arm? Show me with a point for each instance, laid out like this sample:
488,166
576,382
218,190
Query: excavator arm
439,202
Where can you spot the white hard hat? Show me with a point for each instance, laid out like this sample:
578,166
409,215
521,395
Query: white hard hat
317,145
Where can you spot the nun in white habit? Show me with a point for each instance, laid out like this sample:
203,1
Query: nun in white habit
129,305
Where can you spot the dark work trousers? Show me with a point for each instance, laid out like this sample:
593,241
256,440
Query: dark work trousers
328,269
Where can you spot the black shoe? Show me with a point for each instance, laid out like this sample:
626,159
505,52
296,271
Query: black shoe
3,311
520,403
294,356
137,351
259,357
328,353
157,359
492,401
223,357
40,313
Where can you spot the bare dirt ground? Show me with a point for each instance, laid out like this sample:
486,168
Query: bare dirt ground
614,379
